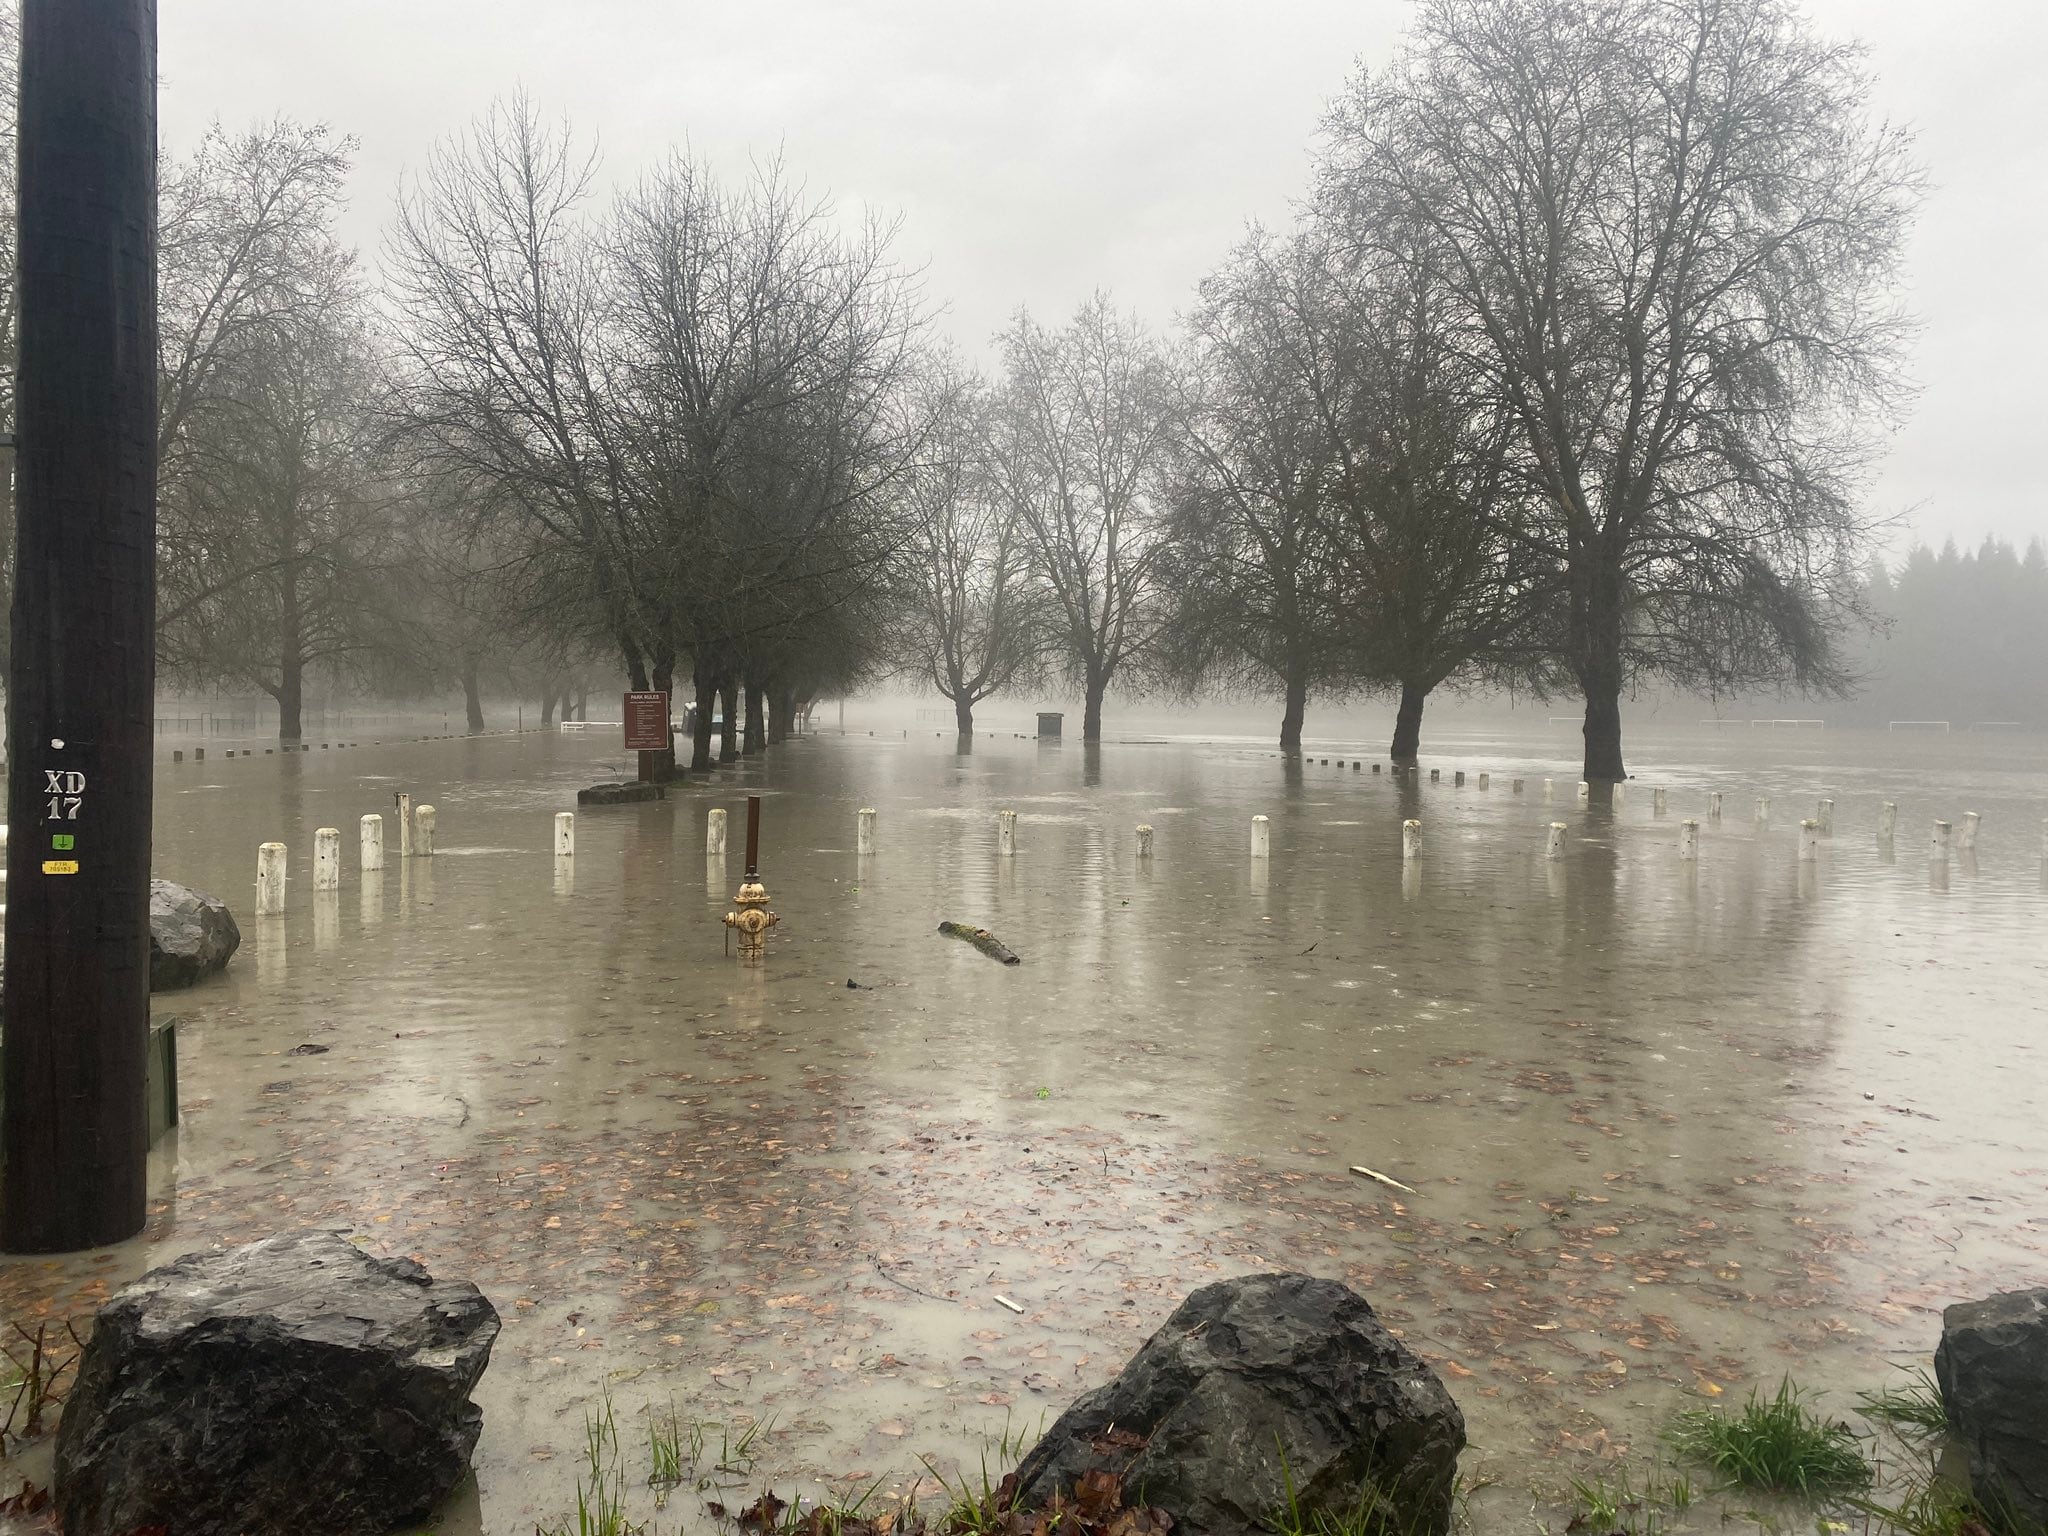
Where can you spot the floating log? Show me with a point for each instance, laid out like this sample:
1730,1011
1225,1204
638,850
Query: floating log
984,941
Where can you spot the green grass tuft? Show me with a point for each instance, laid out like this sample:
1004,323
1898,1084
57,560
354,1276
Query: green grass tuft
1775,1443
1916,1409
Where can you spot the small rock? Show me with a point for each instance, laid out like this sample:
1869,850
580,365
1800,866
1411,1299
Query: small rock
1249,1370
1992,1367
294,1385
620,793
191,935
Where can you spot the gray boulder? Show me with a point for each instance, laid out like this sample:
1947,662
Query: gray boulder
1245,1372
293,1385
191,935
1992,1367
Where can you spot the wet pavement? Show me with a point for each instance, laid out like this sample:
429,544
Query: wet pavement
1673,1128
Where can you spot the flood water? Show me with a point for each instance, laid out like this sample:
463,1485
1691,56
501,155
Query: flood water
1673,1129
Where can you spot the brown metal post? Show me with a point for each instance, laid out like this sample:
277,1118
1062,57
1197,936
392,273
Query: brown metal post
753,836
74,1134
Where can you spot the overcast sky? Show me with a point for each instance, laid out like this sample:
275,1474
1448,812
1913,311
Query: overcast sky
1038,149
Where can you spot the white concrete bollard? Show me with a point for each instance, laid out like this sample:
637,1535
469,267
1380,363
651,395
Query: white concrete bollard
864,832
1887,820
1435,775
1144,842
270,862
1518,786
1585,792
1938,844
1968,841
1657,802
1486,781
404,826
1688,839
1620,793
1411,841
1006,834
1553,846
1458,779
1550,789
1714,806
327,859
372,844
1763,811
565,834
714,832
1809,838
1824,818
423,831
1262,837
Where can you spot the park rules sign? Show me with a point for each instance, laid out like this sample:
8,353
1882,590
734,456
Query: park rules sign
646,722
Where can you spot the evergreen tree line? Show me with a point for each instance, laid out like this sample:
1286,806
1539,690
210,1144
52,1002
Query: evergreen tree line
1960,636
1567,374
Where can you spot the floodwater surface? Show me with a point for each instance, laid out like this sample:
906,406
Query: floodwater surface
1672,1128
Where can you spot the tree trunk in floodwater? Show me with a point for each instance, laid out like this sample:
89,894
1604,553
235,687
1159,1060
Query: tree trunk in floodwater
547,709
1597,624
583,704
1290,720
472,699
781,716
1408,723
729,706
757,720
664,680
700,728
1603,736
291,696
963,714
1091,709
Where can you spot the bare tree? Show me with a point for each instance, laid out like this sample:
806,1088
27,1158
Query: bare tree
1251,566
972,625
1423,515
1672,235
1079,444
285,509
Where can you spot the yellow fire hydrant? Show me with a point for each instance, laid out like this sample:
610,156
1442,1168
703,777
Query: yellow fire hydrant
752,921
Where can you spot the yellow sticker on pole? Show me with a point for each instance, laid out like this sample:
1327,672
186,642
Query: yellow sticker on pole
60,866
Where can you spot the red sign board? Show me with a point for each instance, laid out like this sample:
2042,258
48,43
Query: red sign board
646,722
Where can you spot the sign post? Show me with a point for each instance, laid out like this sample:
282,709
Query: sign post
647,729
74,1126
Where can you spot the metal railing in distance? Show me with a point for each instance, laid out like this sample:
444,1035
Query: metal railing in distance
1918,725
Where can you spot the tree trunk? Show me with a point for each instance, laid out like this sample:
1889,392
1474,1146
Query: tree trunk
757,719
582,704
1600,674
729,706
472,698
963,714
547,709
291,696
664,680
781,715
1408,723
1603,735
1290,720
700,728
1091,716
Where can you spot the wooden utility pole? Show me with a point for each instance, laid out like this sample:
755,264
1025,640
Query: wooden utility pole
73,1123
